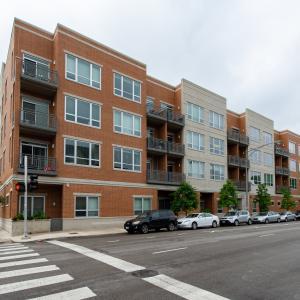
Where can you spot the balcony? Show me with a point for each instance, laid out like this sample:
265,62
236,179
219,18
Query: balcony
236,161
236,137
241,185
156,115
156,146
282,171
176,120
162,177
278,188
281,151
175,149
37,122
38,78
244,163
39,165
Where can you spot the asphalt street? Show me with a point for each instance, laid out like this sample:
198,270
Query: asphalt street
245,262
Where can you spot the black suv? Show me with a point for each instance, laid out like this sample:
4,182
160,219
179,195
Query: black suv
155,219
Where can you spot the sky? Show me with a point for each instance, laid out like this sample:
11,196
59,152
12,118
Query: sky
248,51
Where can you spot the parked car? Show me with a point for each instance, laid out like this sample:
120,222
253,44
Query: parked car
287,216
196,220
266,217
156,219
236,218
297,214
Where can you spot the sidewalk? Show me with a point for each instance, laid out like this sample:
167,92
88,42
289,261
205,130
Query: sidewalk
6,238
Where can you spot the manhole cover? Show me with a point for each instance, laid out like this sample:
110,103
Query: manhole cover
144,273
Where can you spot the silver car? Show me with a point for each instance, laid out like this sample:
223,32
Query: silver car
287,216
267,217
196,220
236,218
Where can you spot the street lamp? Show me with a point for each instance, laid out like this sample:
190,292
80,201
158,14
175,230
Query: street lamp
247,168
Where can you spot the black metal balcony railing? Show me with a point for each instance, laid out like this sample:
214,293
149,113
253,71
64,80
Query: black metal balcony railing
39,165
175,117
237,137
241,185
281,151
237,161
38,120
162,177
155,144
39,72
244,163
282,171
176,148
156,113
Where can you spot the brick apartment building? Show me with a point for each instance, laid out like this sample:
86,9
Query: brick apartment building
108,140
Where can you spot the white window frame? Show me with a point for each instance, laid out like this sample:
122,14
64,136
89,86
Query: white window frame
268,138
201,138
254,137
256,174
200,114
75,153
292,179
122,162
215,146
268,182
255,156
142,197
266,163
76,71
86,205
291,165
32,198
91,103
292,147
122,125
201,166
213,117
213,175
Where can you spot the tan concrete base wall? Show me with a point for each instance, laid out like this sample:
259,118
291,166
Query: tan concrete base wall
5,224
34,226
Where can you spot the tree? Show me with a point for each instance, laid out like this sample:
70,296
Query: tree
228,196
184,198
287,199
263,198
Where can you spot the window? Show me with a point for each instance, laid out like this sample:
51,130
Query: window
165,106
5,125
255,156
268,159
299,150
216,146
254,134
293,183
293,165
292,147
84,153
220,208
195,112
267,138
256,177
150,103
82,112
141,205
127,159
196,169
216,120
7,197
127,123
217,172
86,206
12,116
35,205
36,67
268,179
82,71
195,141
127,88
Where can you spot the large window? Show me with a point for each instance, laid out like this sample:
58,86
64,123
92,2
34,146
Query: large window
127,123
82,71
293,183
195,112
127,88
255,156
268,159
82,112
254,134
293,165
216,120
268,179
86,206
141,205
256,177
82,153
195,140
35,205
267,138
292,147
127,159
196,169
216,146
217,172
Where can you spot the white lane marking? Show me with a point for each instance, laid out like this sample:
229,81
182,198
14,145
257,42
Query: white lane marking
10,245
182,289
170,250
33,283
76,294
266,235
18,256
23,262
13,248
114,241
180,234
150,237
16,252
104,258
27,271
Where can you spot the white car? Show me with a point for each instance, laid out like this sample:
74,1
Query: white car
195,220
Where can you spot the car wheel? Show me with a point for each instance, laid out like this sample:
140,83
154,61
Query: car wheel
194,226
130,231
236,223
278,220
171,226
267,221
286,219
144,228
214,224
249,222
157,229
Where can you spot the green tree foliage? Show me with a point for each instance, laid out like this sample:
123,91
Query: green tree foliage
263,198
228,196
184,198
287,199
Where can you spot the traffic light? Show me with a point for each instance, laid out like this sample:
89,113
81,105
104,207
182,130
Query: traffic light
20,187
33,182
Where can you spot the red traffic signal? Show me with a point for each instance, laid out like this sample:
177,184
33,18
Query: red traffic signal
20,187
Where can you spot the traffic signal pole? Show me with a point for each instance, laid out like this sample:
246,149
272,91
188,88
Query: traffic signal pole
25,199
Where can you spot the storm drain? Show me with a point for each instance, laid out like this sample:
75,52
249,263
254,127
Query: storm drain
144,273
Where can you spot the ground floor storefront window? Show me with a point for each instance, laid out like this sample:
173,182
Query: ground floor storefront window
86,206
35,205
141,205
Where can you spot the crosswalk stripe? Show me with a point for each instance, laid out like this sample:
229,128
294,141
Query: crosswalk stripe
10,245
28,271
23,262
13,248
33,283
18,256
16,252
76,294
